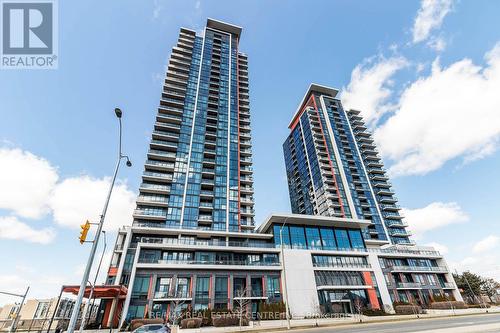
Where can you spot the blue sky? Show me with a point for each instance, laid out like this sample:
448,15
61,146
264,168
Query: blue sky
425,74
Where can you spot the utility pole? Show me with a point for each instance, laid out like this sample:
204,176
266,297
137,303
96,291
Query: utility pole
86,273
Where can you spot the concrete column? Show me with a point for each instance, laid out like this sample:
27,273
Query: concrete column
301,289
382,285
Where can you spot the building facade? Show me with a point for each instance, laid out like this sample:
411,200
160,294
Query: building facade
192,242
334,170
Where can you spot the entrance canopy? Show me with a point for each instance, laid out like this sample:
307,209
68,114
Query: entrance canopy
104,291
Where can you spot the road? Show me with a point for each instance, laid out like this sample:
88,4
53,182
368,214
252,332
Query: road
465,324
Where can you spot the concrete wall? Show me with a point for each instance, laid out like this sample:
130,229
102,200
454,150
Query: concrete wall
300,282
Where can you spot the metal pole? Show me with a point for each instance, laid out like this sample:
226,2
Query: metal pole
92,287
55,310
85,278
284,277
14,323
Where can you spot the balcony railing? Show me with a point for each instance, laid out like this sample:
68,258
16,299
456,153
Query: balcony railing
149,213
172,295
194,226
341,265
209,262
211,242
448,285
409,285
419,268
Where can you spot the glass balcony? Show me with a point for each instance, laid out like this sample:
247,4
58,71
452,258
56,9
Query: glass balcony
408,285
440,269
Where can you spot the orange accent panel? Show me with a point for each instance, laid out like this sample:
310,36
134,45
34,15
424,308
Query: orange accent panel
107,310
329,158
112,271
372,295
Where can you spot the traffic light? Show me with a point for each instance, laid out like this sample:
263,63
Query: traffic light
85,229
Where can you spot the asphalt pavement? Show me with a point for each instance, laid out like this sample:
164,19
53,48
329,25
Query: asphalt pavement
462,324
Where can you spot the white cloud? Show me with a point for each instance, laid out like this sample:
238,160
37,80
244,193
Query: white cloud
438,44
12,228
30,189
451,113
443,249
369,87
76,199
433,216
42,286
486,244
157,7
485,265
26,181
429,17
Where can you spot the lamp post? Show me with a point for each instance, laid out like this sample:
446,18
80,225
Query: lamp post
92,287
86,273
287,308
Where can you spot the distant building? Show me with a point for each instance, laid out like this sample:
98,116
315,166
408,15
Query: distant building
37,313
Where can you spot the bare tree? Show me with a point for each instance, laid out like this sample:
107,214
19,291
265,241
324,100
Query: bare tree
358,304
242,301
176,311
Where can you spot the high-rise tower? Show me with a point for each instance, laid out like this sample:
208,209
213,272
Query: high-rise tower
198,172
192,239
333,168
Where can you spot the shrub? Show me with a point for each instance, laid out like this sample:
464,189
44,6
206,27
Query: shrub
271,311
394,304
136,323
478,306
441,298
407,309
191,323
374,312
448,305
228,320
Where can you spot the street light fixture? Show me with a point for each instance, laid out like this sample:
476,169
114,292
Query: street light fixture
86,273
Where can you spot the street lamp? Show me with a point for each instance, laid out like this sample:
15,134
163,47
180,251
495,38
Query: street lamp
92,287
86,273
287,307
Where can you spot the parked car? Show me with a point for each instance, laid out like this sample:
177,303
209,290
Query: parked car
152,328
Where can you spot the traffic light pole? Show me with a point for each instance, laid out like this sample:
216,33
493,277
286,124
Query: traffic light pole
86,273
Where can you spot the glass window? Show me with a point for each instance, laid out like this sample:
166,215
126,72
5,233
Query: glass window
221,295
356,239
141,286
202,287
313,238
327,238
297,237
286,236
273,287
182,289
342,239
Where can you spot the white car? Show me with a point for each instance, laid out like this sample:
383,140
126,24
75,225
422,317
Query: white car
152,328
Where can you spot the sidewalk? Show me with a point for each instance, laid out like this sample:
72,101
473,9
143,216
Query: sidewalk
267,325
